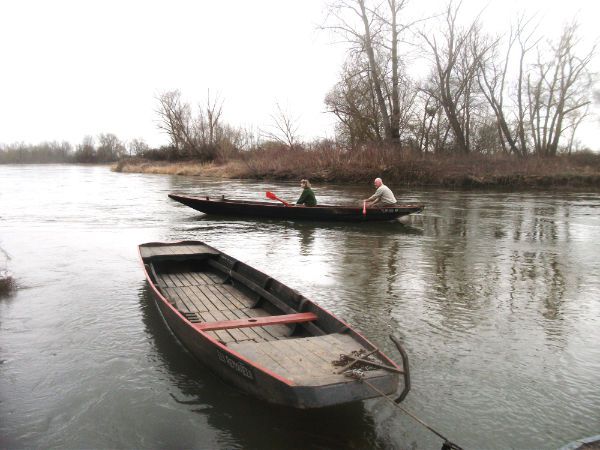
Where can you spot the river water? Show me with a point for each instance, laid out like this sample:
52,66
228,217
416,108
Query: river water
495,295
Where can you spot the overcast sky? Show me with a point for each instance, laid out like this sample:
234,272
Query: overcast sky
75,68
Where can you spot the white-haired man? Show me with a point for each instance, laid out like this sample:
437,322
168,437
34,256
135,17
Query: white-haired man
383,196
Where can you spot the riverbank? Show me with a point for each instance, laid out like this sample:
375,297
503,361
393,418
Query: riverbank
576,170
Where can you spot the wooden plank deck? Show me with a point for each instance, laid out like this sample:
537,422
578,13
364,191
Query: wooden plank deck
204,294
305,361
226,314
175,250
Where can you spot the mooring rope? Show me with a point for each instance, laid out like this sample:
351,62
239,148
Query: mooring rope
362,359
447,445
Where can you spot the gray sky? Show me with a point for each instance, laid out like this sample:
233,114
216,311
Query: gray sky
76,68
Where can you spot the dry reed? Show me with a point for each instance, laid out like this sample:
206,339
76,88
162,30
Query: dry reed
332,163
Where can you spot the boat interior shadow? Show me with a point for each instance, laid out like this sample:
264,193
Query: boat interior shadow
248,422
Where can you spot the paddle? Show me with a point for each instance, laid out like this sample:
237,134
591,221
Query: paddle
274,197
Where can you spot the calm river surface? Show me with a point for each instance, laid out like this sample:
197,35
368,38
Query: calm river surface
496,297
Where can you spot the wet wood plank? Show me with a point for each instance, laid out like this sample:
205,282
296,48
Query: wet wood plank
191,299
180,304
237,334
205,300
166,280
174,250
198,301
226,300
174,279
198,280
214,299
222,335
189,278
248,332
261,333
304,360
230,294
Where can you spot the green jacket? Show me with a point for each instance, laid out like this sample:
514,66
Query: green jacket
307,198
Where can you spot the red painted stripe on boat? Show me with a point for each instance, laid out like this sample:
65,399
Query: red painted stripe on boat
256,321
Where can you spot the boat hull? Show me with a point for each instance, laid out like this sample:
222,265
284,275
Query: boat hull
280,211
259,381
237,372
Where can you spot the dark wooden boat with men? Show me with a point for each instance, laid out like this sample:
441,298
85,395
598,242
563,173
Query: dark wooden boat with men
280,211
262,336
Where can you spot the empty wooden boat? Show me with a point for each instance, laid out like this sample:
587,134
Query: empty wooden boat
271,210
260,335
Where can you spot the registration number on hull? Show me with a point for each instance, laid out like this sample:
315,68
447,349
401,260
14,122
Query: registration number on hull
238,366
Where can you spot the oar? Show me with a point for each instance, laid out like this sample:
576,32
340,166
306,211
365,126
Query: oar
274,197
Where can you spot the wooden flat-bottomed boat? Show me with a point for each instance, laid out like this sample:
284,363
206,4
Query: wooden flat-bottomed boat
262,336
274,210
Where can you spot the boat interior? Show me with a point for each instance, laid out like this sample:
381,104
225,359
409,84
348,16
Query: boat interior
247,317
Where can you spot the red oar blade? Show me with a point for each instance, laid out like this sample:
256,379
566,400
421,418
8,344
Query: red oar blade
274,197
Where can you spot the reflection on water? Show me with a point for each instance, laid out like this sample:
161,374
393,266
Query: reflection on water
494,295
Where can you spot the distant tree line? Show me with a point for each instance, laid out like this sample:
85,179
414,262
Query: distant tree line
105,148
46,152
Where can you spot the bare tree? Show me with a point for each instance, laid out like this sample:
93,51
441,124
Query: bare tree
353,102
376,33
432,130
110,148
285,128
559,92
455,71
86,151
175,119
137,147
208,122
491,78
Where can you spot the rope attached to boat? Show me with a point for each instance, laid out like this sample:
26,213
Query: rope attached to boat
361,360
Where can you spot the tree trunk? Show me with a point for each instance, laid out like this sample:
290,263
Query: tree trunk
376,79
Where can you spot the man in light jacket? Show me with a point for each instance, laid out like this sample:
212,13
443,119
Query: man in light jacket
383,196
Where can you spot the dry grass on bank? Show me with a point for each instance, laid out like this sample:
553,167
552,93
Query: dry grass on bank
334,164
231,169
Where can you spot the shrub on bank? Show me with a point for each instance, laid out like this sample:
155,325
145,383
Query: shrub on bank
327,162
